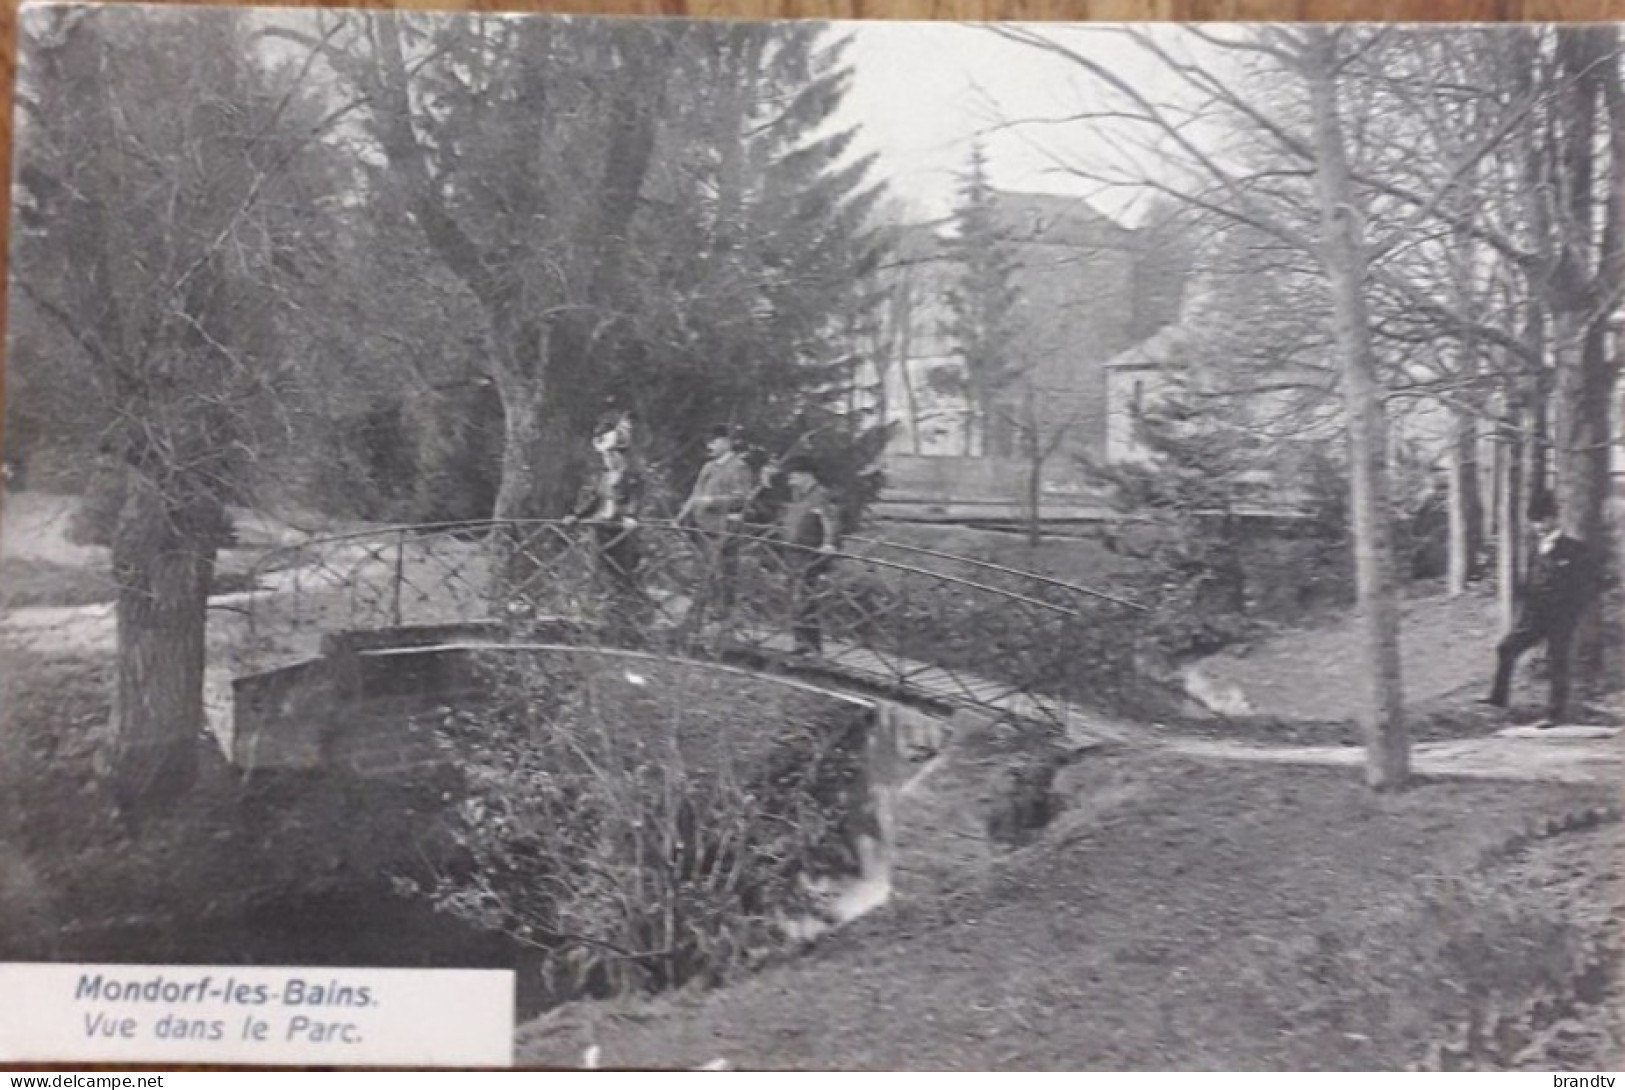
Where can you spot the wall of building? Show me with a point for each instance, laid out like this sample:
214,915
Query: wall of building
1076,308
1129,392
940,479
1089,289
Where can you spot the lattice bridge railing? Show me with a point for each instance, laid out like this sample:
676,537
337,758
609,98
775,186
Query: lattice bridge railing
886,617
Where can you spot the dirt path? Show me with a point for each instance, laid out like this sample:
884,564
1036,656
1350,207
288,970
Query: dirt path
1562,755
34,526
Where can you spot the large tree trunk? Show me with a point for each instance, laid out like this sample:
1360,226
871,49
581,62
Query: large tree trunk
1343,253
531,458
1584,391
1509,494
1583,396
904,317
1571,293
163,562
1535,191
1589,271
1466,506
1538,420
536,448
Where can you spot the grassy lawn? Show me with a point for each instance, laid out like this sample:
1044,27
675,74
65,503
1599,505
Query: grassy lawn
1084,561
26,581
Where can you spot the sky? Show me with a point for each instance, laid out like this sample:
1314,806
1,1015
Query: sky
922,94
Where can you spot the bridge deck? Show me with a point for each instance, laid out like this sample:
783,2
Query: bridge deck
880,610
858,667
931,684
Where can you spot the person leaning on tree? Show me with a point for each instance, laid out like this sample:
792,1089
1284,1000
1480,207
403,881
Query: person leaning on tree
716,506
1561,581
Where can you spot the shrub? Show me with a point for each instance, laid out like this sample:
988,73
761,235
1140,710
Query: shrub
647,824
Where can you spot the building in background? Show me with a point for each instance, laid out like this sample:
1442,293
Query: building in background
1089,289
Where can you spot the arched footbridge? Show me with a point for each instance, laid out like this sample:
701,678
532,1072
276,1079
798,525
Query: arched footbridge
898,622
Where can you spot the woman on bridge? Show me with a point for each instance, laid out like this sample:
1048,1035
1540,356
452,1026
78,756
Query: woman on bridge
611,505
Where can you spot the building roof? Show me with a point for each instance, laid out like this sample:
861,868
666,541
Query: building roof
1048,219
1156,351
1168,342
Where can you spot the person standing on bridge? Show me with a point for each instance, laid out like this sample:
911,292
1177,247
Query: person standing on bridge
716,507
809,525
1562,579
611,505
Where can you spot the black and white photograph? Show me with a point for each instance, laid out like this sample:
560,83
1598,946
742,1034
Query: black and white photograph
806,545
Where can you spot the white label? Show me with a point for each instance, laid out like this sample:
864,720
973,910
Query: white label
246,1015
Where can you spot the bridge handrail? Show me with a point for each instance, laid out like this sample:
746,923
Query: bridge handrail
1037,577
932,631
771,676
400,532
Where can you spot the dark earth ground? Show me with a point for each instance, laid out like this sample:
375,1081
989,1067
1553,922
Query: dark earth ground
1175,913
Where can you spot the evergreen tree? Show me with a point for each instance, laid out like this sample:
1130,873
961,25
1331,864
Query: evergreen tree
686,256
1193,482
756,270
981,305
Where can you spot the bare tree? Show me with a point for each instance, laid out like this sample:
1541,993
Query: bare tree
1585,281
538,234
1320,54
1292,182
1043,421
1461,192
147,237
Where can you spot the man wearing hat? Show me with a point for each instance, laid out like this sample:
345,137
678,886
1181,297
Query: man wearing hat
611,504
1561,582
809,526
717,506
